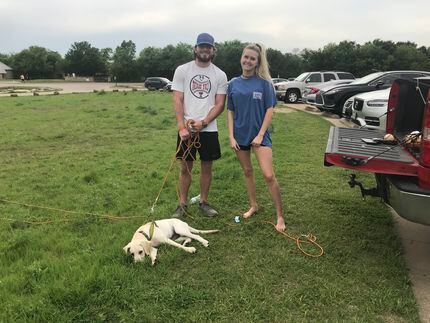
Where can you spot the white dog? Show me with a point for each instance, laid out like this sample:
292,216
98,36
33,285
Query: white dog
149,236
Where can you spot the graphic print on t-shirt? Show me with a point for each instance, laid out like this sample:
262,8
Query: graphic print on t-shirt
257,95
200,86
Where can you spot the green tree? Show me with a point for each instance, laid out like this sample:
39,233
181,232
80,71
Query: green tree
84,60
406,56
6,59
149,61
284,65
37,62
106,54
228,55
276,63
163,61
124,62
172,57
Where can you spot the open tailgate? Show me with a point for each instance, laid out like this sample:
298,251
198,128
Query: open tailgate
347,143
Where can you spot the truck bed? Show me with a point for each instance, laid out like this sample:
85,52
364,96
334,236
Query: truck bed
347,143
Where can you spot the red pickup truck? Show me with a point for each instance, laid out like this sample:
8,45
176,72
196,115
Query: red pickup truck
399,157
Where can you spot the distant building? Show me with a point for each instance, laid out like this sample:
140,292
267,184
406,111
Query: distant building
6,72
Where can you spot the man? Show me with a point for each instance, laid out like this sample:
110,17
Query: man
199,91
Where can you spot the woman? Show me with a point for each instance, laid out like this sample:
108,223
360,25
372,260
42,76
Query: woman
251,98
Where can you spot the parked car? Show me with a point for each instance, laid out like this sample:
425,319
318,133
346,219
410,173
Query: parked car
310,92
368,110
277,80
168,87
156,83
291,91
334,99
399,156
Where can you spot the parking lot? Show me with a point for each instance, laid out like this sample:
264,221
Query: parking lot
65,87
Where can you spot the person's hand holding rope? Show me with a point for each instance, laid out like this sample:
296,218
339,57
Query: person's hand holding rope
195,125
184,134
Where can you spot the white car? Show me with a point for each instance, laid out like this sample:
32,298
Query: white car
369,109
291,91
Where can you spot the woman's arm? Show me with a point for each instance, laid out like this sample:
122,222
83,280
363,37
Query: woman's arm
266,122
230,123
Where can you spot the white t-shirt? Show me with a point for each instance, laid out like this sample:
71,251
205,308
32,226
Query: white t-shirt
199,85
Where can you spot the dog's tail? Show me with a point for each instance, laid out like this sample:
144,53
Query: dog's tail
202,231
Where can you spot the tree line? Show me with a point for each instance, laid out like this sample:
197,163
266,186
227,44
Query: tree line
126,65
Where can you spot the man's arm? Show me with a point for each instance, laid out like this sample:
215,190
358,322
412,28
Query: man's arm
178,105
214,112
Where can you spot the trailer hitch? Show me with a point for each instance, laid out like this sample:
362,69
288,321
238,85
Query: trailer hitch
364,191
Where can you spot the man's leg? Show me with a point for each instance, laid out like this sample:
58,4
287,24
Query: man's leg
205,180
184,186
205,183
185,181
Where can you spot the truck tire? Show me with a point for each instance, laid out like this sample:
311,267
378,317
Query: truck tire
292,96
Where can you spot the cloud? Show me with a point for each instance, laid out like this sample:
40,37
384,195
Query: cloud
280,24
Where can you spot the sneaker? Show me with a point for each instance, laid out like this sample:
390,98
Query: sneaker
180,211
207,209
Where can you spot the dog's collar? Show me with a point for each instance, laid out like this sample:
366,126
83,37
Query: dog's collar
146,236
151,231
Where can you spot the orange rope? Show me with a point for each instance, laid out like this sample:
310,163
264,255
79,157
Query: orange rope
310,238
193,141
104,216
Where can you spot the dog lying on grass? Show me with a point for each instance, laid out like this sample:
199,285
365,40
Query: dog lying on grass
173,232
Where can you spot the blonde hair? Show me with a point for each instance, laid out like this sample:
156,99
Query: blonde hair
262,68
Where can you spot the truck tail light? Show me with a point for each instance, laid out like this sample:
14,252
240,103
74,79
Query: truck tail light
425,146
424,173
392,103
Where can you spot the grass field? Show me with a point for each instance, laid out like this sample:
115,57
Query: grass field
108,154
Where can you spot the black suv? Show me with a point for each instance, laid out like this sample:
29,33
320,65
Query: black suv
157,83
334,98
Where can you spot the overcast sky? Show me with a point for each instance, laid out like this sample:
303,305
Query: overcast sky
280,24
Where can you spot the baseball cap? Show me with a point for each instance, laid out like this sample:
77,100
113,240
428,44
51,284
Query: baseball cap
205,39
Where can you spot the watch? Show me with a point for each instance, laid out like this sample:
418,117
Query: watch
204,124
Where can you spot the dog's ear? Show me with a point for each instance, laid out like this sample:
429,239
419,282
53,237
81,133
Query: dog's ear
146,247
127,249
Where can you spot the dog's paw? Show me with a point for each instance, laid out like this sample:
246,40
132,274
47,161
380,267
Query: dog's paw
191,249
205,243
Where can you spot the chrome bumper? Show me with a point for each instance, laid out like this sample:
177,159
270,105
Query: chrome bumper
411,206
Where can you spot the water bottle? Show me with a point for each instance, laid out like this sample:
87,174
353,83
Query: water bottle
195,199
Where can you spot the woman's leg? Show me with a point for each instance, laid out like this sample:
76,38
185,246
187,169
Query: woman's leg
244,157
264,158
